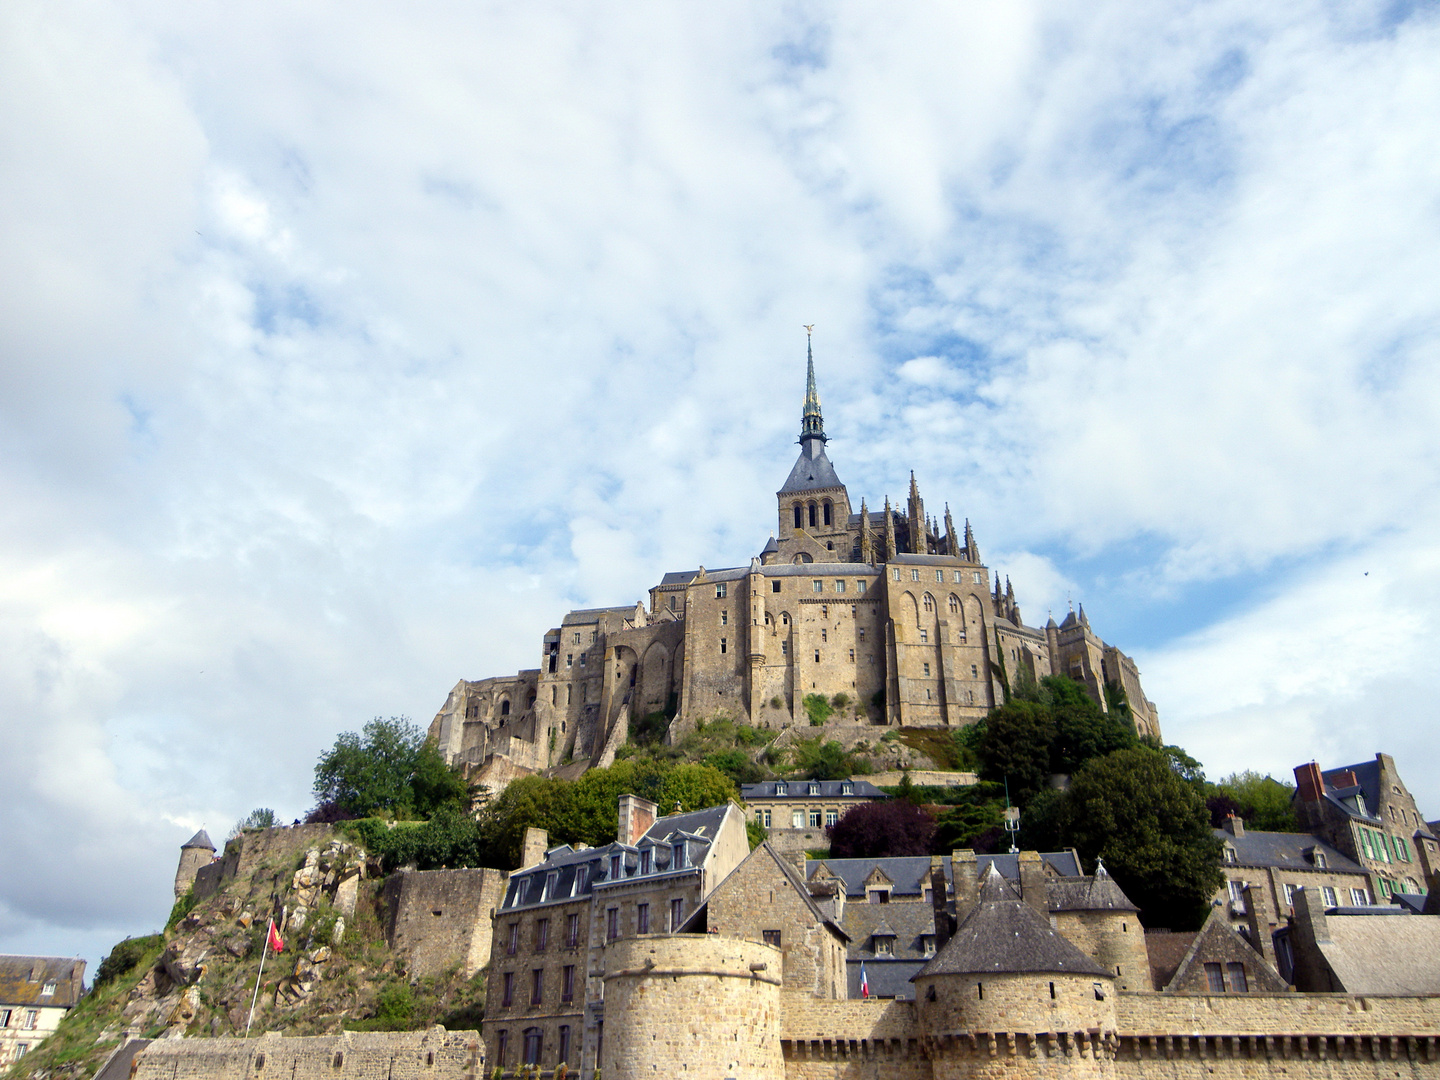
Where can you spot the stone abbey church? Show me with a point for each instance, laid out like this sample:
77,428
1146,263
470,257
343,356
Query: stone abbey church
891,607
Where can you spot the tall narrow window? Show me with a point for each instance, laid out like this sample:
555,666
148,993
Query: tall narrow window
532,1046
677,913
514,941
537,983
564,1047
840,585
1215,978
812,515
572,931
612,923
724,646
827,512
642,918
799,516
645,860
502,1046
507,988
1238,982
567,983
542,934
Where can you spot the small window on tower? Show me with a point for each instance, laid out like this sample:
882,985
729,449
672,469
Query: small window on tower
924,637
840,586
975,576
720,591
774,586
817,586
722,645
914,575
860,587
724,618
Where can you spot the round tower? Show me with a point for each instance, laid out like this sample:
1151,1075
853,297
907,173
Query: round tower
694,1005
194,853
1007,986
1096,915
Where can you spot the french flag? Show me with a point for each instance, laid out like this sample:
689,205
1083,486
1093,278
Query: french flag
864,981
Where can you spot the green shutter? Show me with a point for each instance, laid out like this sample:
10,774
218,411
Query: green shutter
1365,841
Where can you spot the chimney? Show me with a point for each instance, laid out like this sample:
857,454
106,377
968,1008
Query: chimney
966,871
1257,921
1235,825
635,818
1032,883
944,924
532,850
1309,783
1346,778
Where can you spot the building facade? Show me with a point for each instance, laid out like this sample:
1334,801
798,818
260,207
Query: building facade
35,994
890,611
796,813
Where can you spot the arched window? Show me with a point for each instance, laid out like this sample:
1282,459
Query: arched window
827,511
505,707
954,604
784,618
532,1046
812,515
929,602
799,516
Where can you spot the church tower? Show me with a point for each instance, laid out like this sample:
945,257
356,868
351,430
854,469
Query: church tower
814,507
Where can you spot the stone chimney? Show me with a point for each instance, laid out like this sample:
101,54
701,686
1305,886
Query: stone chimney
1032,883
1235,825
966,871
1310,929
635,818
1257,920
944,924
532,850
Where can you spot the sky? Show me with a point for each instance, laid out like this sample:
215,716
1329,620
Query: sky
344,348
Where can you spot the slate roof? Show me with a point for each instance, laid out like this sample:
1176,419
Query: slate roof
911,873
1285,851
1370,954
1003,934
907,923
590,615
697,828
811,474
1167,949
771,546
800,789
201,840
22,978
117,1065
888,978
1097,893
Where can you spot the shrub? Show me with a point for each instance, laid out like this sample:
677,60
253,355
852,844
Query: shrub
840,700
877,830
123,958
817,707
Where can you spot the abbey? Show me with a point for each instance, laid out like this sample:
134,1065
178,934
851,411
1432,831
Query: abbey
891,607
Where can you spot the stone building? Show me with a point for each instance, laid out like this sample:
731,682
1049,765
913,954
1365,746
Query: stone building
1361,950
1213,960
1366,812
35,994
544,999
196,852
797,812
892,608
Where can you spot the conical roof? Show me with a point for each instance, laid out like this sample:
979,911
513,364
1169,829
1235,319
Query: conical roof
1098,893
811,473
201,839
1004,935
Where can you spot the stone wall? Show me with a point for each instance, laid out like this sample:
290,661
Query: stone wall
925,777
694,1005
436,1054
1115,939
441,918
857,1039
257,853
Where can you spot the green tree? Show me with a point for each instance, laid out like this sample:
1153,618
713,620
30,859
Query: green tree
1262,801
694,787
1149,823
815,760
818,708
1015,747
259,818
1083,732
387,769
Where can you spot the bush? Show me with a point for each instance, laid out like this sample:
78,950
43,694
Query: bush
877,830
649,729
183,907
817,707
840,700
124,957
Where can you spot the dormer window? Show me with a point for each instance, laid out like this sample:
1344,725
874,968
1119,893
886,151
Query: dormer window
550,879
927,944
47,990
645,858
884,945
1229,854
781,788
582,878
847,788
614,867
1320,863
814,789
677,860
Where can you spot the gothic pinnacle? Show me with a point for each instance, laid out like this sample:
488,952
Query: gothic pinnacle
812,424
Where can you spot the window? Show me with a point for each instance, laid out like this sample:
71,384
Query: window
813,789
852,656
642,918
1320,861
532,1046
513,942
974,672
781,788
582,659
507,988
1237,895
1229,854
47,990
4,1018
814,819
677,857
924,637
1289,895
914,575
564,1051
569,659
817,656
1238,983
537,984
502,1044
895,574
542,934
817,586
975,576
831,817
847,788
724,618
954,604
677,913
840,586
646,857
567,983
767,818
614,867
724,646
594,634
1402,849
784,648
861,633
772,937
884,945
1359,897
720,591
572,931
827,511
811,509
577,637
799,516
824,634
927,944
612,923
1215,978
582,878
1329,895
927,670
824,611
797,819
674,602
860,587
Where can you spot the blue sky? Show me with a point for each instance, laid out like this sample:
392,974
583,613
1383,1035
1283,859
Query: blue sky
346,347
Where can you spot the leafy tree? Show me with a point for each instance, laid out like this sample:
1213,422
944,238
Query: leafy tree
1015,747
874,830
1186,767
1117,701
1148,822
1083,732
259,818
737,765
694,787
390,769
818,708
815,760
966,825
968,741
125,957
1262,801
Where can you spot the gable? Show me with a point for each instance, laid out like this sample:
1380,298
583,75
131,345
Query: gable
1229,957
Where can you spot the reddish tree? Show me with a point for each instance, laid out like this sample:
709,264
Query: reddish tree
874,830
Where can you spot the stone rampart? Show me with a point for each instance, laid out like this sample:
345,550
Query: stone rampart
254,851
439,919
925,778
436,1054
856,1039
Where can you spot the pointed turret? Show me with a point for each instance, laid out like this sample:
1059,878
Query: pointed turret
889,531
1083,620
972,550
916,509
812,424
950,543
867,543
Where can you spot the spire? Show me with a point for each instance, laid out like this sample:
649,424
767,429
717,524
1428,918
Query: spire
867,544
1009,591
889,531
812,424
950,548
916,511
972,551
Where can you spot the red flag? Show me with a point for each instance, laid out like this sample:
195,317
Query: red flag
274,939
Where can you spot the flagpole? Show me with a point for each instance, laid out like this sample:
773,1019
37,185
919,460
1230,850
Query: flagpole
269,929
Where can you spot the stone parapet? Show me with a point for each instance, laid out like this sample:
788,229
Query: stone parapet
436,1054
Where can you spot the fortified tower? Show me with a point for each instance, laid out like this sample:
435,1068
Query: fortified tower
1005,986
194,853
1097,916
